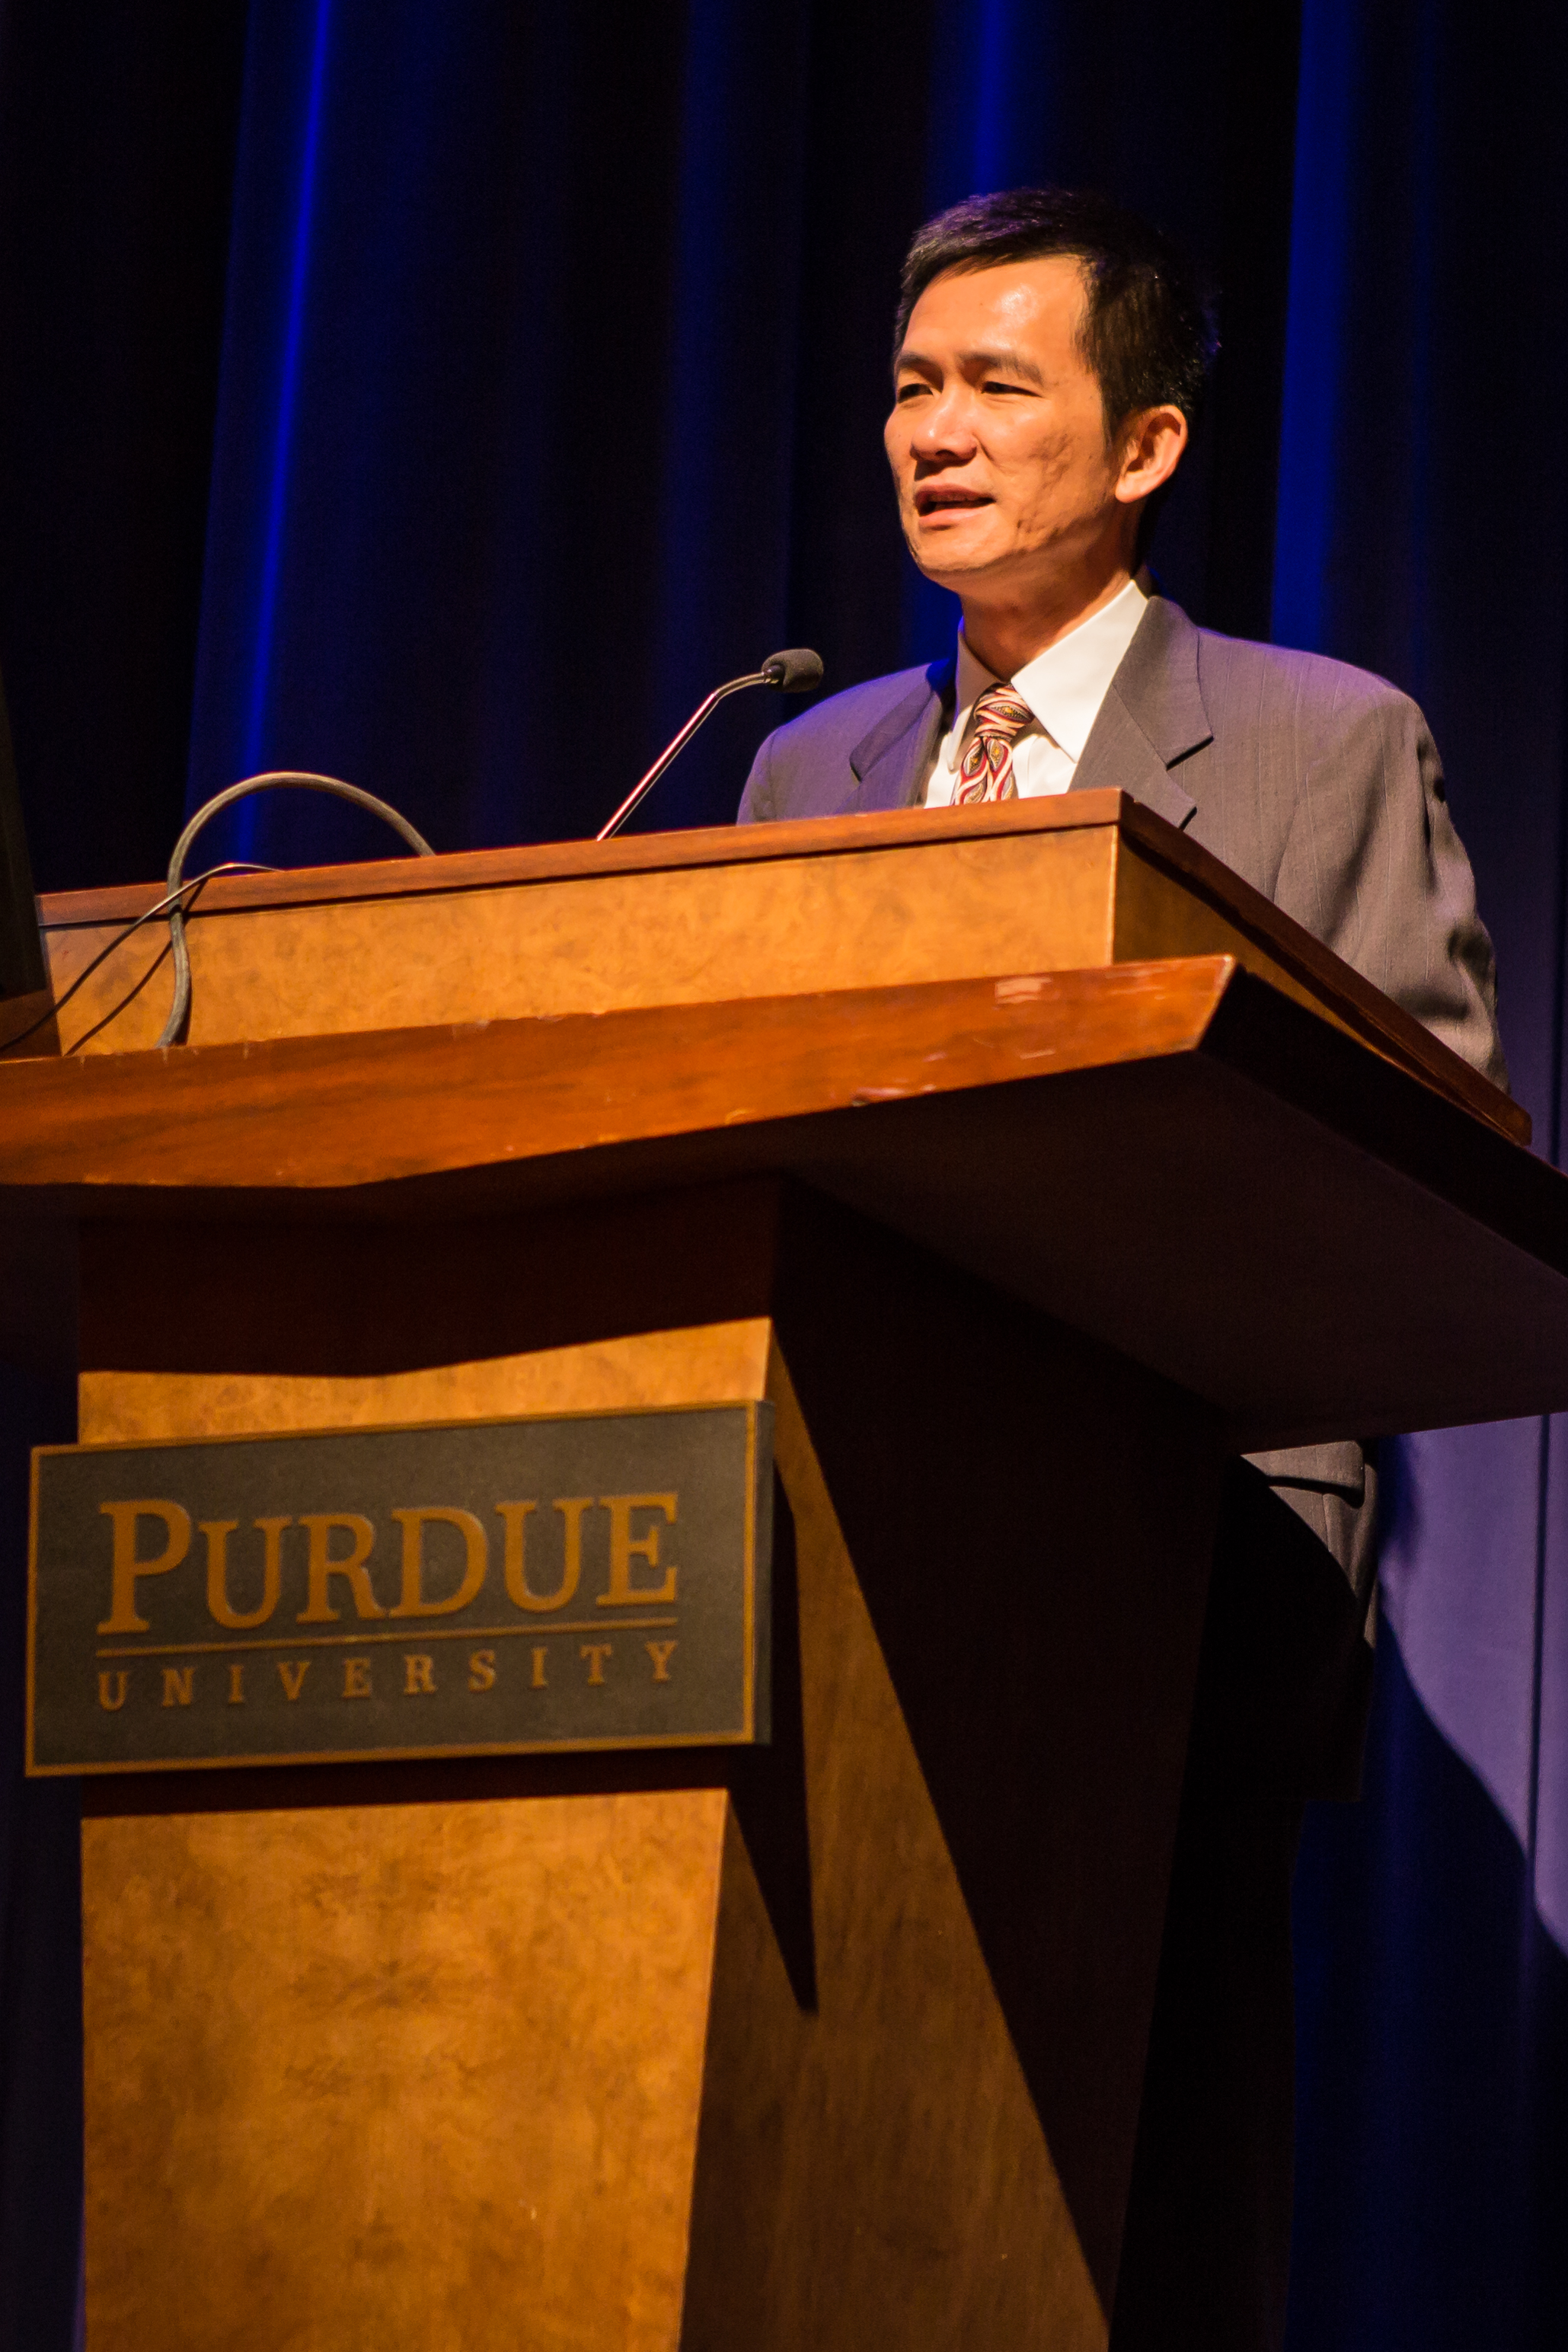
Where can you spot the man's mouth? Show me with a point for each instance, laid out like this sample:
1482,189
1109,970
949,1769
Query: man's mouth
933,498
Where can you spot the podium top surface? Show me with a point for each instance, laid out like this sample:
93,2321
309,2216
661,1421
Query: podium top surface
1074,882
1172,1156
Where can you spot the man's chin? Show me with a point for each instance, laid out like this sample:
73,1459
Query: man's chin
955,567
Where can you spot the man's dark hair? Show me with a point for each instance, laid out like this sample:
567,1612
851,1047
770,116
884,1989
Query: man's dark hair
1148,332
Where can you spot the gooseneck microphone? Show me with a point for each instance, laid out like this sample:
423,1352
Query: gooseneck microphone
796,671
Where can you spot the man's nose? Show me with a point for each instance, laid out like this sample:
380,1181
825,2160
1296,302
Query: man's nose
944,428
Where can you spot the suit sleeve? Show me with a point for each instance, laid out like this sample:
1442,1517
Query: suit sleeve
1374,867
756,801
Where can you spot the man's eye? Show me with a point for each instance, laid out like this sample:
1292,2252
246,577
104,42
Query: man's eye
995,384
910,392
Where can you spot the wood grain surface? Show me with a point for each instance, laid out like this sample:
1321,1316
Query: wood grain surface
385,1947
560,2054
451,2094
805,2046
407,2076
874,2166
1171,1157
28,1025
326,1113
1214,911
712,1364
678,936
729,912
629,853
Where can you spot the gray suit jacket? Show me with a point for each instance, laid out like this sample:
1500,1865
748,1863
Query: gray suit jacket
1319,784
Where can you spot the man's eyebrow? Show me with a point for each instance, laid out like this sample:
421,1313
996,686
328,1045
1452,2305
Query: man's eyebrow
1008,360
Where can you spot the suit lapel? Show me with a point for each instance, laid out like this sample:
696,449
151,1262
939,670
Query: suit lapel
891,762
1152,717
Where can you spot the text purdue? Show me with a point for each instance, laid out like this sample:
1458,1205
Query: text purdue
320,1567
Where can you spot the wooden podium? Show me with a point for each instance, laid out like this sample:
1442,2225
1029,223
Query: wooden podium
1030,1164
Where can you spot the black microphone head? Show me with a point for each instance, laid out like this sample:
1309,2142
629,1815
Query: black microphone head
796,671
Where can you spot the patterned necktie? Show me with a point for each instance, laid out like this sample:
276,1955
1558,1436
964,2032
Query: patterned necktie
986,773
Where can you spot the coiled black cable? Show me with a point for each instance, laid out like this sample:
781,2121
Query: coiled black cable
188,891
179,1021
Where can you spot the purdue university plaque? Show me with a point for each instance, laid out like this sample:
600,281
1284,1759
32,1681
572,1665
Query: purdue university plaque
589,1581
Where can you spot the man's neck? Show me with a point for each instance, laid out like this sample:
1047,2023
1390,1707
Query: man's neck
1008,636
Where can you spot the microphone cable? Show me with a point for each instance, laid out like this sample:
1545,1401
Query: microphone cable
193,890
274,780
181,895
796,671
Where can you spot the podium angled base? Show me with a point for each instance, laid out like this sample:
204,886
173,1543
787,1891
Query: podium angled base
831,2043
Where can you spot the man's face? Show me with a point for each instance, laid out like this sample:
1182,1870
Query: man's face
997,440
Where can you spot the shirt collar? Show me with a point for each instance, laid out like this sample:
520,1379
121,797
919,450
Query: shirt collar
1064,686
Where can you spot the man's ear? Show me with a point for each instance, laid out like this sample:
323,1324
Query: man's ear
1152,442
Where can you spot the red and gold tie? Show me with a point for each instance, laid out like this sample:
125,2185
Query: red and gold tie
986,773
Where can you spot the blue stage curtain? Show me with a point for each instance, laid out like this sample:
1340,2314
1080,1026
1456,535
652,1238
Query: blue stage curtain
503,450
1417,535
446,396
556,362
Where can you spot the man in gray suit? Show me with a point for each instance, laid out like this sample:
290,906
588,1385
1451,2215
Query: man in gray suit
1050,356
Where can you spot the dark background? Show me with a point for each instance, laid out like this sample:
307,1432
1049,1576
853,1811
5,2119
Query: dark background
446,396
392,390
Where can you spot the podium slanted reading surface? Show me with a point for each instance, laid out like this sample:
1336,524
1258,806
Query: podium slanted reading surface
1025,1164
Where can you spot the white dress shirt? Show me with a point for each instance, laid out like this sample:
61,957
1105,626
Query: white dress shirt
1064,687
